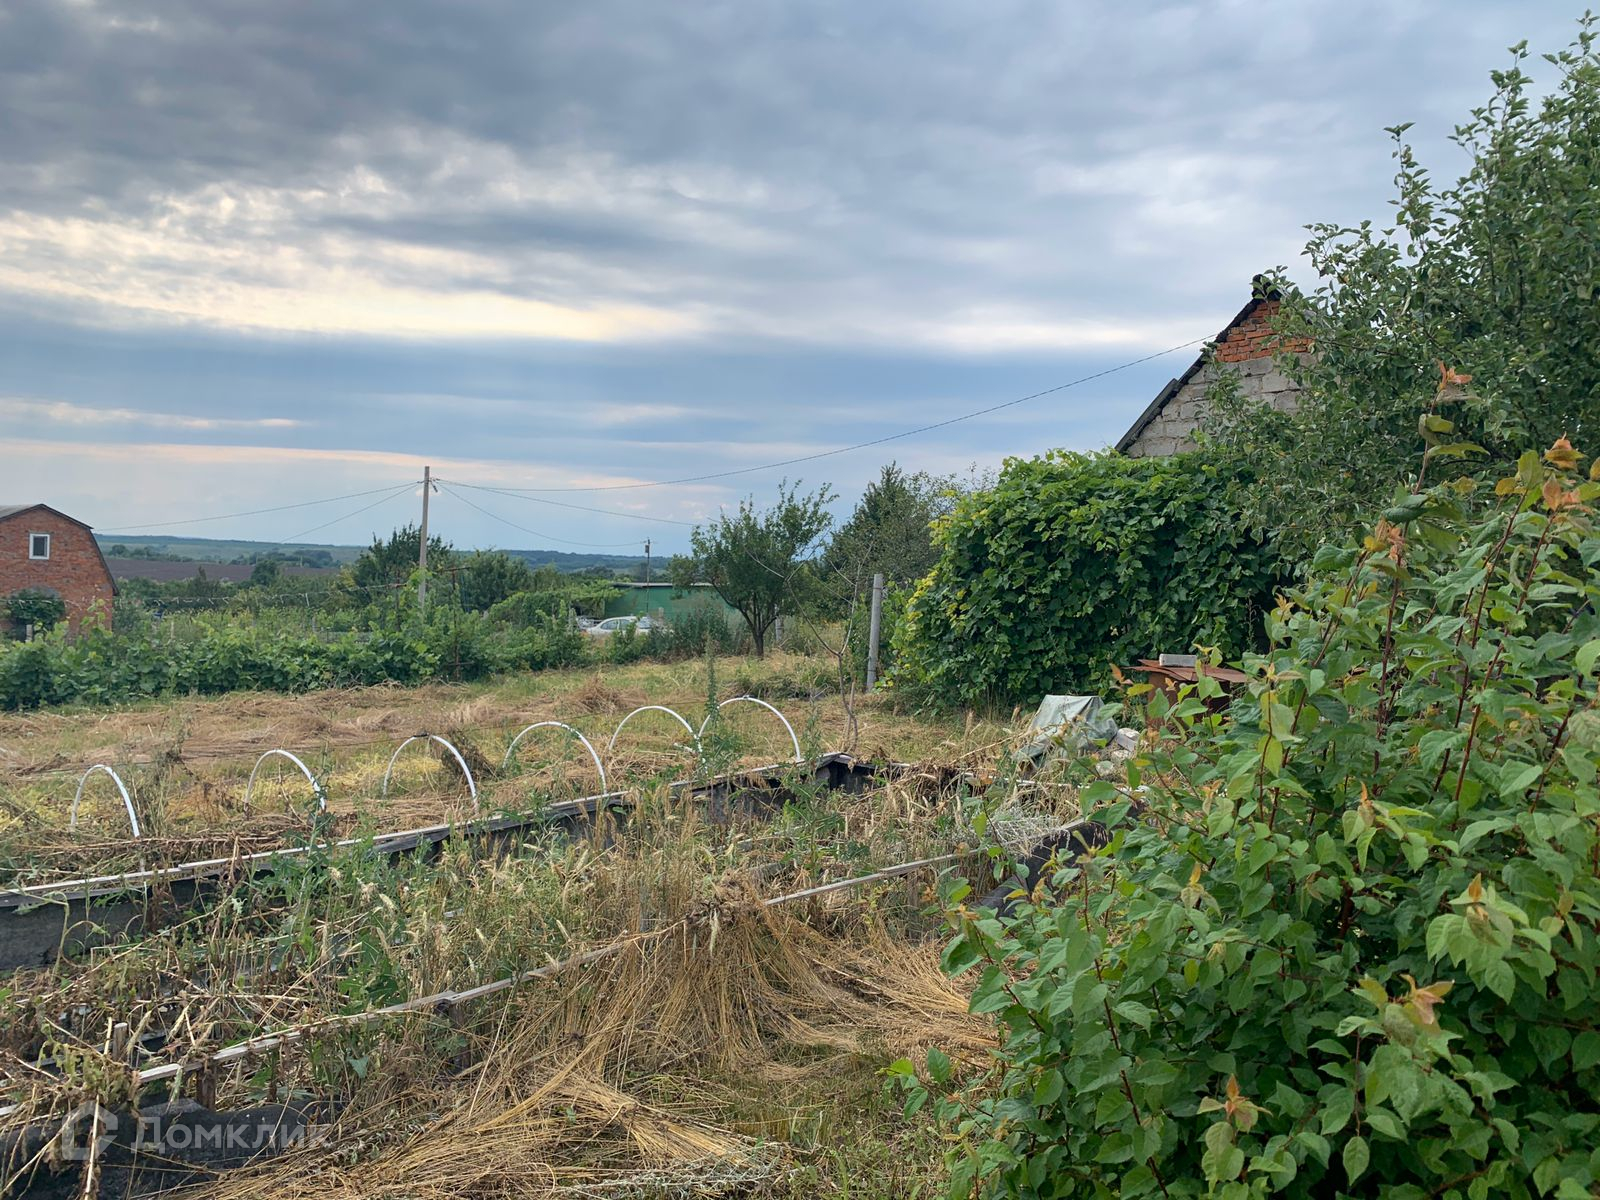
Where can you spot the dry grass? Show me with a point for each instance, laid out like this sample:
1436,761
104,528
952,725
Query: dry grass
680,1067
727,1051
187,761
240,727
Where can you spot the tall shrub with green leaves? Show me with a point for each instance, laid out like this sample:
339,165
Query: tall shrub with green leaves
484,578
1496,273
33,607
1346,937
1073,563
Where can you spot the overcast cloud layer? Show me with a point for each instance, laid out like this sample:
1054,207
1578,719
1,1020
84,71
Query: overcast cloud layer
252,254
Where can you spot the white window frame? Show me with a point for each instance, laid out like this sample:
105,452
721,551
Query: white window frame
31,544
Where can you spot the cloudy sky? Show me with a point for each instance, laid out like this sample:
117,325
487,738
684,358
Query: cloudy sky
256,254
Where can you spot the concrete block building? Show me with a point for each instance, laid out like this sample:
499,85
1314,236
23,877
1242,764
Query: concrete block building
1248,348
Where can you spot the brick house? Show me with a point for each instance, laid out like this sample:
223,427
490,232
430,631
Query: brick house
43,549
1246,347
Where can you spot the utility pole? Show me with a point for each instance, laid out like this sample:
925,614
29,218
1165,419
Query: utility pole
422,548
872,630
647,562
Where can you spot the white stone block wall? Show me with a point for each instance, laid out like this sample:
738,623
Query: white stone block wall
1172,430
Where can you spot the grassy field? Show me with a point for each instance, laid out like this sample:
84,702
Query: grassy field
187,761
719,1044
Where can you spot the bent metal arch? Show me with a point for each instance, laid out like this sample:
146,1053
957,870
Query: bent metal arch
598,766
798,756
322,797
127,800
673,713
466,771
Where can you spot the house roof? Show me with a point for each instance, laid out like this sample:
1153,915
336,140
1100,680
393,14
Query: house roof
1259,295
11,510
7,511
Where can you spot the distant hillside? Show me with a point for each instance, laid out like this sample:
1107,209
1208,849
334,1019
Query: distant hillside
193,549
563,560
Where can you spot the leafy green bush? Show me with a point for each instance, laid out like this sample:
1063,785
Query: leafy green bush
484,578
540,646
629,645
1346,938
1073,563
569,596
36,607
217,655
691,632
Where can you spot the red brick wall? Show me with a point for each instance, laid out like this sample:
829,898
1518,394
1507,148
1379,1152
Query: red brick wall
1253,338
74,568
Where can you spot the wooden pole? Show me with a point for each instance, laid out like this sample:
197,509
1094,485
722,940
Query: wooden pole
422,548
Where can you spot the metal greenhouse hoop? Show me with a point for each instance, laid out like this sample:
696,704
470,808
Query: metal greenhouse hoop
322,797
798,755
598,765
466,771
127,800
688,728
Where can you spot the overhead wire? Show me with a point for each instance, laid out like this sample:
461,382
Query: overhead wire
878,441
549,537
255,511
527,494
607,512
393,493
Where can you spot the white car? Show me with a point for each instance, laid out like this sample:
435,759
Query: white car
616,624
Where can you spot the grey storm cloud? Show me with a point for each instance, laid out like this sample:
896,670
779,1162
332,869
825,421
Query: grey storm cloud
597,234
748,161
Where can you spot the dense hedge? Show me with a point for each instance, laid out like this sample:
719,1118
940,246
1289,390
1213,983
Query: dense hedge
225,652
212,656
1072,563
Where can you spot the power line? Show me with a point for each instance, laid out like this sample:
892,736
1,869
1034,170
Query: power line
607,512
252,512
524,493
384,499
532,532
892,437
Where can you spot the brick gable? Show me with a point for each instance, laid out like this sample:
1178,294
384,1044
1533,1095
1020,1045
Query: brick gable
74,570
1252,337
1247,349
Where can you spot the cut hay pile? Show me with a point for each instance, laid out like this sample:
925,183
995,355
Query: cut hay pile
672,1068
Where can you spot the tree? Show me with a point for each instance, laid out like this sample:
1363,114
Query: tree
388,564
890,531
1495,277
487,577
757,561
198,592
266,572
